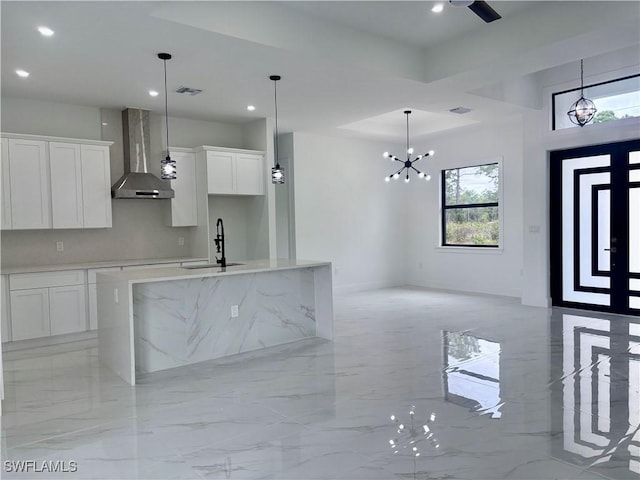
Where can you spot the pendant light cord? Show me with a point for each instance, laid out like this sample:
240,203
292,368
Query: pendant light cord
166,107
407,113
275,98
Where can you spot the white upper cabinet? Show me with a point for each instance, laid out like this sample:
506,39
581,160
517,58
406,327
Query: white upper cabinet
235,173
55,184
184,210
221,172
66,185
5,198
29,184
249,174
96,186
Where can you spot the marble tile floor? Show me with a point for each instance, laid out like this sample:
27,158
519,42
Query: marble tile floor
479,387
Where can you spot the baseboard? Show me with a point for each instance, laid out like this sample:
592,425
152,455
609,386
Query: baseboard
447,288
362,287
536,301
48,341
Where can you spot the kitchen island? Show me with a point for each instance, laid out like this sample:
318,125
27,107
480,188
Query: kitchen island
155,319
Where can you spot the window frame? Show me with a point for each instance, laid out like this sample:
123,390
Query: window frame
578,89
443,246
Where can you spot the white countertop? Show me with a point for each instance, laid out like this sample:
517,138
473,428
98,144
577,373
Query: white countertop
179,273
103,264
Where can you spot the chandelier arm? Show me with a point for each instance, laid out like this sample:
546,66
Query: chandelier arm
414,168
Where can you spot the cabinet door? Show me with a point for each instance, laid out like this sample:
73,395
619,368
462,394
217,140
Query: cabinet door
66,185
92,290
221,172
67,309
184,211
29,178
249,174
5,197
96,186
4,309
30,314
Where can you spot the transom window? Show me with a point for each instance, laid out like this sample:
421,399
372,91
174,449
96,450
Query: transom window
470,206
615,100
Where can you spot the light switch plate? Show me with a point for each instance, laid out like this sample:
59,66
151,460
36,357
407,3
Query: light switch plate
60,246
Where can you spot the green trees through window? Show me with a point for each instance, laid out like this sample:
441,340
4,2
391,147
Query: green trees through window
470,206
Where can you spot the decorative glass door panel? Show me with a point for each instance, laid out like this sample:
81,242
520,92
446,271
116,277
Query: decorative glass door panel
634,230
595,227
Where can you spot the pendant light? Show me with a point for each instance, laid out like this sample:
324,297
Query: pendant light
277,172
583,110
167,166
408,163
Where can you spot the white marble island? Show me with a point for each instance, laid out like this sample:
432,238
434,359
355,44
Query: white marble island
161,318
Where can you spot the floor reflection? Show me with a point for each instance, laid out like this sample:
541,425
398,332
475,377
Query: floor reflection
471,373
595,373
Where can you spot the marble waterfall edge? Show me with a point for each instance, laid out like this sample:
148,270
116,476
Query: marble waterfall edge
181,322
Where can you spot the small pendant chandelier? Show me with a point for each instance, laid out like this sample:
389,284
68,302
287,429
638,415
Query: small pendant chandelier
408,163
277,172
583,110
167,166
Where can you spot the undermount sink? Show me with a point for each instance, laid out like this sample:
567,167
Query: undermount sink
211,265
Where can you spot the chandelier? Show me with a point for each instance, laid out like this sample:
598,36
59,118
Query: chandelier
583,110
408,163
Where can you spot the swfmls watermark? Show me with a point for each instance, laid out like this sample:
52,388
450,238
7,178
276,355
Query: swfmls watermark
40,466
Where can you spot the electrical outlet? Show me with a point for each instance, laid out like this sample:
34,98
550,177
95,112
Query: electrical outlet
115,296
181,241
60,246
234,311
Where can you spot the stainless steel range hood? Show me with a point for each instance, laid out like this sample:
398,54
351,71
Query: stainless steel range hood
137,182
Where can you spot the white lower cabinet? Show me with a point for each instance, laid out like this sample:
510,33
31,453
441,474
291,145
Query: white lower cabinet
30,314
4,308
67,309
48,303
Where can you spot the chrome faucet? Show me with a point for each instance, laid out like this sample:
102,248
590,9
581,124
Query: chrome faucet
219,241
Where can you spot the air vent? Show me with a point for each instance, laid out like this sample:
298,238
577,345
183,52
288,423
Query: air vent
460,110
189,91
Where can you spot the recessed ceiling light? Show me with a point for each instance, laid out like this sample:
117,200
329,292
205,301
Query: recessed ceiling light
45,31
153,93
104,124
22,73
437,8
251,108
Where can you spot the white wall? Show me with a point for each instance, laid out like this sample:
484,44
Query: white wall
35,117
346,214
473,270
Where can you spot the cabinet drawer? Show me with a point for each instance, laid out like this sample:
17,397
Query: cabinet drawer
22,281
91,273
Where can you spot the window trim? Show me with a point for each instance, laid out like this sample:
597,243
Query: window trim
468,248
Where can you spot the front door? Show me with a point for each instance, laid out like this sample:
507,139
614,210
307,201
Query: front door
595,227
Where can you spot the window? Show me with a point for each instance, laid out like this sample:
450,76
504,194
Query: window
615,100
470,206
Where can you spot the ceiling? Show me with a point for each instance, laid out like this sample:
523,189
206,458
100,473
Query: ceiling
349,68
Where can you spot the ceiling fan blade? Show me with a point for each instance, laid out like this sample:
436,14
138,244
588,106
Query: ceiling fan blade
484,11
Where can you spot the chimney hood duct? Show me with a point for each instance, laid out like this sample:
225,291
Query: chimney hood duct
137,182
